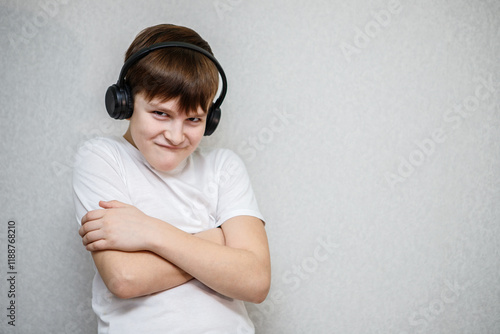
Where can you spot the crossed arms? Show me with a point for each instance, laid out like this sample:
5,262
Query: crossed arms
137,255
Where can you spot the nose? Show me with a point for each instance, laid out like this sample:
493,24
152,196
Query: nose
174,133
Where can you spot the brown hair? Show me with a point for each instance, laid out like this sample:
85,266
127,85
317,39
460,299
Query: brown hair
173,72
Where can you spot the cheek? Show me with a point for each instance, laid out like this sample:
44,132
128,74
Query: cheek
196,137
142,129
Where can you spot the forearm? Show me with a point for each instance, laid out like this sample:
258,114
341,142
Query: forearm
235,273
135,274
241,269
241,273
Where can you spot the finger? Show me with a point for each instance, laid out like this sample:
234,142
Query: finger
84,219
112,204
81,231
96,245
93,215
89,226
91,237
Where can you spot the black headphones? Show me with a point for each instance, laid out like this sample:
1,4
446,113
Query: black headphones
119,99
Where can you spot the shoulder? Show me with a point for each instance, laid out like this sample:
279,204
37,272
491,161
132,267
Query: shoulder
98,151
99,146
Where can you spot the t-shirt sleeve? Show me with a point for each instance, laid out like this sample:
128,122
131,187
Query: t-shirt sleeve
97,175
236,196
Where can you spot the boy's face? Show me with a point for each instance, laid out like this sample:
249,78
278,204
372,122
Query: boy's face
164,134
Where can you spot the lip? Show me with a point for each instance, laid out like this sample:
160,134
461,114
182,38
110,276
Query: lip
169,147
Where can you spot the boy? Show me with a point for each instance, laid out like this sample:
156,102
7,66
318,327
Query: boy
174,231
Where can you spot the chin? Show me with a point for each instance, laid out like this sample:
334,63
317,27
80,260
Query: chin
167,167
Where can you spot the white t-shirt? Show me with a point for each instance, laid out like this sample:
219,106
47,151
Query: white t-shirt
204,191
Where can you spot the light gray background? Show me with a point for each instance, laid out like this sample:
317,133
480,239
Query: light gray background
371,127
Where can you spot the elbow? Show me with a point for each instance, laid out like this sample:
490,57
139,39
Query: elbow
122,287
120,277
260,289
258,298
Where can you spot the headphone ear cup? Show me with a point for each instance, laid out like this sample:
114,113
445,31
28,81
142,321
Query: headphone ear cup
119,102
213,119
129,102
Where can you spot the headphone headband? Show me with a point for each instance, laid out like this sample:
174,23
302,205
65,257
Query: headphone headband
119,101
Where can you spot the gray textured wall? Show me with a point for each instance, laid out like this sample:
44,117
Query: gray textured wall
370,130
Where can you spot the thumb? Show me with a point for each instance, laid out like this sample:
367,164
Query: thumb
111,204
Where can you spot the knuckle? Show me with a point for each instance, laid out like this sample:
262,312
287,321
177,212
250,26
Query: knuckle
92,247
99,245
85,239
111,241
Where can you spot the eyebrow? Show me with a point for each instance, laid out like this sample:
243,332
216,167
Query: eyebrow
191,114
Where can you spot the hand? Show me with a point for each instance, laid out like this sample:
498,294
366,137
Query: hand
117,226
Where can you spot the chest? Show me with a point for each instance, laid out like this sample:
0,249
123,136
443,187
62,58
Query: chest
187,201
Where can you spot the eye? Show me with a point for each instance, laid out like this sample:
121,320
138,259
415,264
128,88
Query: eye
194,119
160,113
